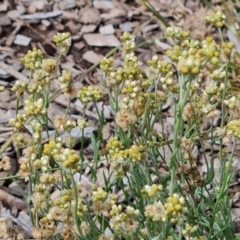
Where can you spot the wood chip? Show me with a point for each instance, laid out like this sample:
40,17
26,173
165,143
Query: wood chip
149,28
15,189
126,27
24,221
70,67
108,29
92,57
22,40
4,21
100,40
12,201
14,14
12,71
45,22
39,4
162,45
70,15
107,110
32,8
90,16
103,4
5,95
21,9
114,13
79,45
63,100
232,35
88,28
43,15
3,175
4,6
67,4
77,133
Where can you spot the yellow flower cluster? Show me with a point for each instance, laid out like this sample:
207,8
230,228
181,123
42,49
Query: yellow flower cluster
33,59
82,123
42,163
216,18
19,88
34,108
136,153
63,40
130,89
218,75
65,199
113,146
37,131
173,206
227,48
106,64
98,194
161,66
89,94
66,82
124,220
176,34
47,179
61,37
129,44
152,191
160,70
159,212
18,122
53,148
232,103
67,157
191,55
121,159
234,128
129,72
189,229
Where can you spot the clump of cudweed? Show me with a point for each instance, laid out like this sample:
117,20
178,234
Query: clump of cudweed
164,195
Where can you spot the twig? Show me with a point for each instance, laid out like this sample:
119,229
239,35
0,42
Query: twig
12,201
10,70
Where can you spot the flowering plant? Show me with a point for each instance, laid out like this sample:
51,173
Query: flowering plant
165,195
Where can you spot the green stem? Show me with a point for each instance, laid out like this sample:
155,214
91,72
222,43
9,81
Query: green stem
178,133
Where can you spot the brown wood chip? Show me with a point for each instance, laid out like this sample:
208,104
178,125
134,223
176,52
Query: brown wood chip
100,41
